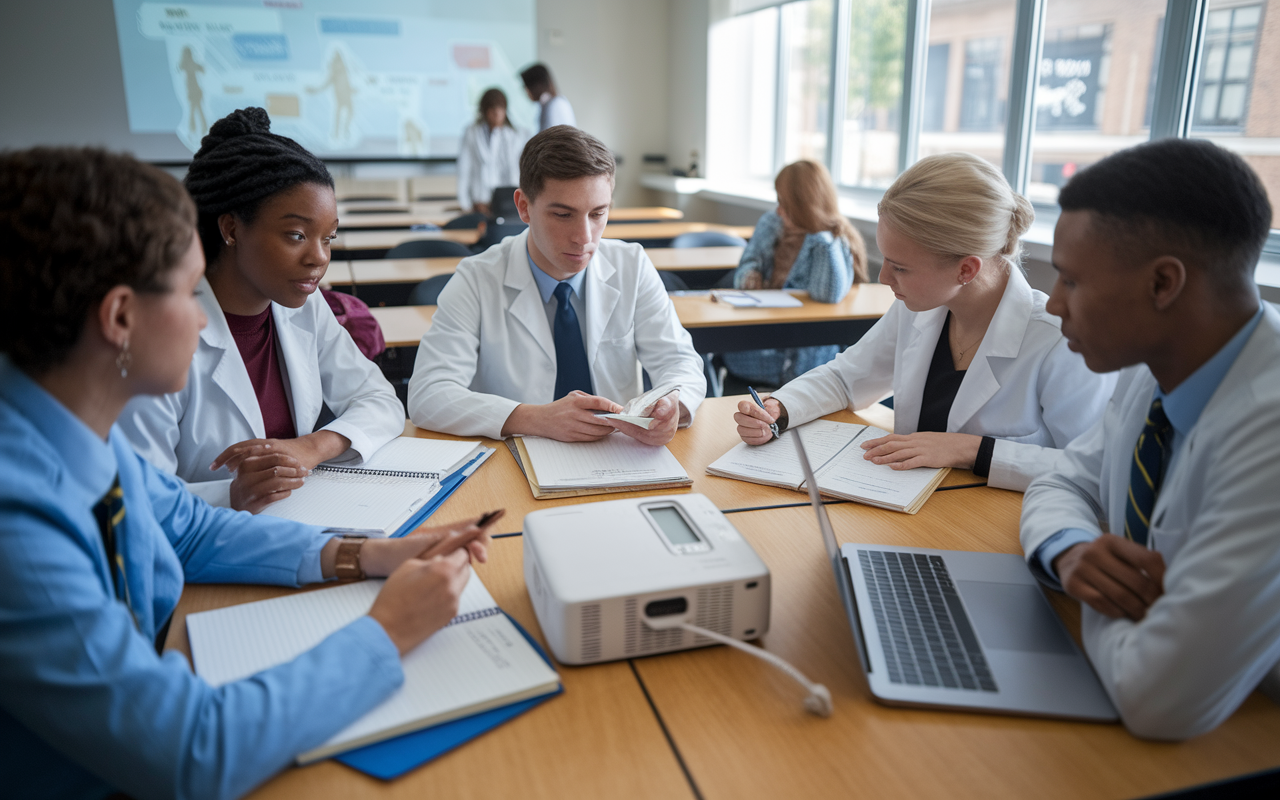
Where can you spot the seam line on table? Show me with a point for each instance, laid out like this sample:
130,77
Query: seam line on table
960,486
662,724
784,505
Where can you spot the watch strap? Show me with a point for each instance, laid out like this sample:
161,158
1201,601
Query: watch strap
346,564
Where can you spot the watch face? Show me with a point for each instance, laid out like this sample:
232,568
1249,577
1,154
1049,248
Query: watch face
346,563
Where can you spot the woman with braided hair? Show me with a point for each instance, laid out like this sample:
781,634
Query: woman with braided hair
277,385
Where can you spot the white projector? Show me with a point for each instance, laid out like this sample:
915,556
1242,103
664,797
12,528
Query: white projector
614,579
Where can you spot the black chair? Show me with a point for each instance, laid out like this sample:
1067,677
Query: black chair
496,233
672,282
428,248
465,222
503,204
708,239
427,292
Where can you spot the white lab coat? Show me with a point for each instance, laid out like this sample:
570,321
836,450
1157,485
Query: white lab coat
183,432
486,162
1214,634
490,347
1023,387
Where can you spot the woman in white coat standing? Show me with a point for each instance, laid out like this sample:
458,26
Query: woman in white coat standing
277,385
980,373
490,154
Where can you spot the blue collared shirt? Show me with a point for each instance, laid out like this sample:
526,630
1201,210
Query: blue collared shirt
86,704
547,287
1183,406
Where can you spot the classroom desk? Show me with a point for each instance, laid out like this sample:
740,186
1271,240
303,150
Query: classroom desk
500,483
383,215
691,259
715,327
374,242
741,731
598,739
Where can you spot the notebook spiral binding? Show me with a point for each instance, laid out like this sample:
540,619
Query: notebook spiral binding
470,615
383,473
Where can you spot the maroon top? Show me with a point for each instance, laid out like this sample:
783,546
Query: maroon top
256,339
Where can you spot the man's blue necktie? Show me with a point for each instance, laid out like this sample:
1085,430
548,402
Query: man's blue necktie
572,370
1150,455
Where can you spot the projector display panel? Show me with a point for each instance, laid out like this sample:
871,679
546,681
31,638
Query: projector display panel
376,79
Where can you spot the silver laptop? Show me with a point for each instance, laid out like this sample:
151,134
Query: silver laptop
957,630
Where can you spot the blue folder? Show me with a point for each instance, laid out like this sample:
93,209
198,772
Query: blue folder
395,757
447,487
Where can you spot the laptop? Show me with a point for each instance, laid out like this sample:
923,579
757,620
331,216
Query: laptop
957,630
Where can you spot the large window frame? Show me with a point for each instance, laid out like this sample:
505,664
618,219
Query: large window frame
1172,111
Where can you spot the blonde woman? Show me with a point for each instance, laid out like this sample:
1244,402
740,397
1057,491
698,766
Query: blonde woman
806,243
980,373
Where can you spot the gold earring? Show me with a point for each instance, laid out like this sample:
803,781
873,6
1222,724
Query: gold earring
123,359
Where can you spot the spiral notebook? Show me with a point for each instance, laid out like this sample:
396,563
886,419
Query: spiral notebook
385,493
479,661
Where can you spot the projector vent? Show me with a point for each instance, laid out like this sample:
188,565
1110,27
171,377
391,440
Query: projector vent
641,639
715,611
591,632
537,581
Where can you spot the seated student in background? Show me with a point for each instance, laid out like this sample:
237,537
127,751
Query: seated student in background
541,331
805,244
277,385
1155,251
490,154
980,374
99,280
553,109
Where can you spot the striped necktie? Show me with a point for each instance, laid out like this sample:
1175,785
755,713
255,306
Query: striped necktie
109,512
1150,456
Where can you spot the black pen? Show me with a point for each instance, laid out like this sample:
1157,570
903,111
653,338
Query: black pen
773,426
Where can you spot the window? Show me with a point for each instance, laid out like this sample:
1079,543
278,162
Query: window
742,108
1226,66
935,87
806,75
868,151
981,108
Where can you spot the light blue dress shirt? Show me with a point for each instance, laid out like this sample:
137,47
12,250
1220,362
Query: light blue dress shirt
555,110
547,287
1183,407
87,707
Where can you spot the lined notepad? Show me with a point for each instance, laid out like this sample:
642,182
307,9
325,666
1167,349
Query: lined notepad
615,460
478,662
835,449
384,493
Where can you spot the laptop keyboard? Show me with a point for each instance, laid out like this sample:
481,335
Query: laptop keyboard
925,633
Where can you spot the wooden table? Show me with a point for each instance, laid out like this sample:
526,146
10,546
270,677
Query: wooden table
690,259
599,739
375,242
389,215
715,327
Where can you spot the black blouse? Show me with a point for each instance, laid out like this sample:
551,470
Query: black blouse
940,385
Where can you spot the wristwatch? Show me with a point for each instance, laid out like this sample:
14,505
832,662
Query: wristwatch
346,564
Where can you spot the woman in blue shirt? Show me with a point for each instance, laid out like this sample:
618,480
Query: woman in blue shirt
99,269
806,243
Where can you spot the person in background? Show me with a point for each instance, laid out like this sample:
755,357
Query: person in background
1162,519
543,330
490,154
980,373
277,385
555,110
100,269
806,243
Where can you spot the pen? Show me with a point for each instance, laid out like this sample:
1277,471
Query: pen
773,426
489,517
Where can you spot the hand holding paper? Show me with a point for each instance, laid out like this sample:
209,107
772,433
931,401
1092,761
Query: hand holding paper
656,428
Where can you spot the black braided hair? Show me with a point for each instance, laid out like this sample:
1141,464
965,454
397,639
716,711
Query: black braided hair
241,164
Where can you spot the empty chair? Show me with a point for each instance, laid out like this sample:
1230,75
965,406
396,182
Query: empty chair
428,248
708,239
465,222
496,233
427,292
502,205
673,282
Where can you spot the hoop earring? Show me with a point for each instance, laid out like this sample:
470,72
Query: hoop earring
123,359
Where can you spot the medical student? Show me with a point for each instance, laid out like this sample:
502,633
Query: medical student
98,543
1162,519
277,385
548,327
980,373
541,88
805,243
490,154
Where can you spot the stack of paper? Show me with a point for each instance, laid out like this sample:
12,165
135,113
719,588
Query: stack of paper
756,298
616,463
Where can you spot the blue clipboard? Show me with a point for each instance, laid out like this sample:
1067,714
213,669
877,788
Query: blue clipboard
394,757
447,487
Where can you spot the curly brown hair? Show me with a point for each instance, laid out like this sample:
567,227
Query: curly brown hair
75,223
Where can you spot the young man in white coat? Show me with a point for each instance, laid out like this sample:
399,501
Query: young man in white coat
542,331
1162,519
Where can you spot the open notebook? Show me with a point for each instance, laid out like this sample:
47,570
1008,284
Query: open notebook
616,463
384,494
479,661
836,452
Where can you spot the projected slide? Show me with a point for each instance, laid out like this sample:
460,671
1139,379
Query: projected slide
397,78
